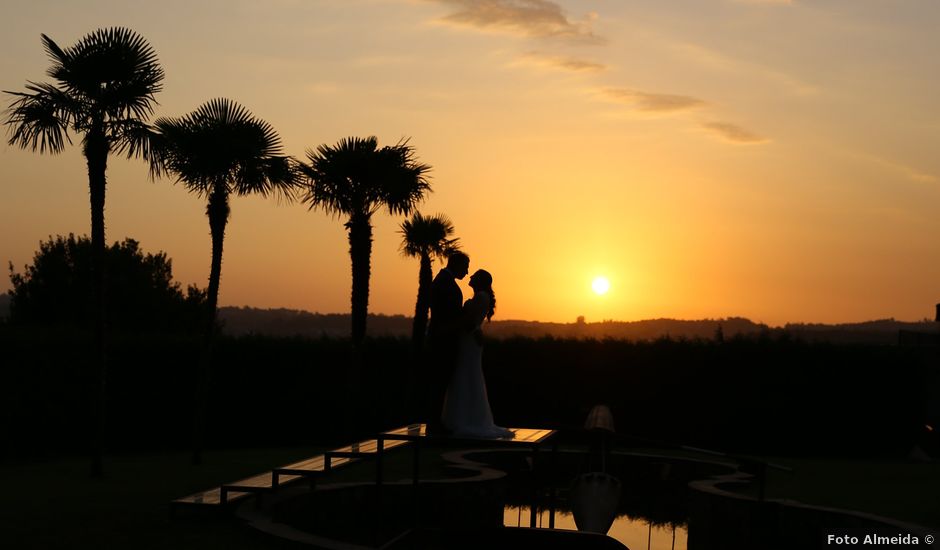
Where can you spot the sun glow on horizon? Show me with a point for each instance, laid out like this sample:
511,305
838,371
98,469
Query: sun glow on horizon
601,285
706,181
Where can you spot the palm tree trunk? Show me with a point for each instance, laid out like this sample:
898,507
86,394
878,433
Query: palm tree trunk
416,391
96,156
218,212
422,305
360,252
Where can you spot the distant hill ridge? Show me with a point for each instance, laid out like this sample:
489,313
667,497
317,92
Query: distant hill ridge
291,322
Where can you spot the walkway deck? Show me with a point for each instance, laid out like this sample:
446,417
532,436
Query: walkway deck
312,468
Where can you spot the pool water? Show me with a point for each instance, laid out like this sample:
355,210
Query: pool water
635,533
652,511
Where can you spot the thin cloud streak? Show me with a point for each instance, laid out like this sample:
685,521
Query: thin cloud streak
909,172
653,102
711,58
733,133
546,20
572,64
530,18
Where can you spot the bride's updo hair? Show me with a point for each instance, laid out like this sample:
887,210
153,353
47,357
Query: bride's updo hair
482,280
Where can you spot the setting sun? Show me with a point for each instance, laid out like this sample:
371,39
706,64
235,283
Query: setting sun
601,285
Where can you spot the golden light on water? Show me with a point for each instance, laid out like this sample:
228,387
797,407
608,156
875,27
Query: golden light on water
601,285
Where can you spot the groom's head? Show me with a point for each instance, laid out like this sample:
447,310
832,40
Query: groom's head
458,263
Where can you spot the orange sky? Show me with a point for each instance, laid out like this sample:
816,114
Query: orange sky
770,159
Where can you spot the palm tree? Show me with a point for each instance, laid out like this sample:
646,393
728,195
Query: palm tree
355,178
219,150
104,90
422,238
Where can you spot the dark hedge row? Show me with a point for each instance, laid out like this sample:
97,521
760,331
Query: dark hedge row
757,395
748,395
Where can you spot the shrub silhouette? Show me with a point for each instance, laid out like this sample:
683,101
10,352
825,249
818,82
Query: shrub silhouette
57,289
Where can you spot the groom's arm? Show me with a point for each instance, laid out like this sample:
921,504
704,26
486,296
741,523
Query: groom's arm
473,315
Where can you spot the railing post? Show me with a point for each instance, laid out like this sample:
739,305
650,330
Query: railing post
535,490
415,473
551,494
379,451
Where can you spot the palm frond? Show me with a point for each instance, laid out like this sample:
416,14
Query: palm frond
106,83
336,176
157,155
115,69
135,138
39,120
406,180
174,147
56,54
427,235
266,177
222,143
355,176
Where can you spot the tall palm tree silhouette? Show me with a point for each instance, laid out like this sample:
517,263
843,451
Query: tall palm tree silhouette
104,90
355,178
422,238
219,150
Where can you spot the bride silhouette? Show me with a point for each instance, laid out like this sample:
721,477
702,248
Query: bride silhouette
466,406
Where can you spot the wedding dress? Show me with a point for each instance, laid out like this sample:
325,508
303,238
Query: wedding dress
466,406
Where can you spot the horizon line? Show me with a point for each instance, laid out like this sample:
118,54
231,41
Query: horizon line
691,320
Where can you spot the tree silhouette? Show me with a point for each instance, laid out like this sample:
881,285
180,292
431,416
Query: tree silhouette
355,178
55,289
219,150
104,90
422,238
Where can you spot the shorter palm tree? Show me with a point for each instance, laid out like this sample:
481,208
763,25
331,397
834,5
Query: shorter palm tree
424,237
356,178
219,150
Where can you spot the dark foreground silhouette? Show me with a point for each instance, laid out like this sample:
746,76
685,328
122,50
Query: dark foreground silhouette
759,395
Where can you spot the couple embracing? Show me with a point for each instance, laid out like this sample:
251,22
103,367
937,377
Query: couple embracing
457,401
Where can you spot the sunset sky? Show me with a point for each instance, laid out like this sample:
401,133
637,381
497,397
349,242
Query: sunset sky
771,159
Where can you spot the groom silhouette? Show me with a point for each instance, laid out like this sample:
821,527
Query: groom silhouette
443,335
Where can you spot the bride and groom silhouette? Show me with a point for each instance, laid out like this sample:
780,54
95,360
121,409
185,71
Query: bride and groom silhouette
457,401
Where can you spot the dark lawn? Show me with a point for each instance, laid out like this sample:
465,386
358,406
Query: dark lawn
54,504
904,490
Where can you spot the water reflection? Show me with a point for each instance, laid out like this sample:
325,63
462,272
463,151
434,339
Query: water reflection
635,533
655,498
